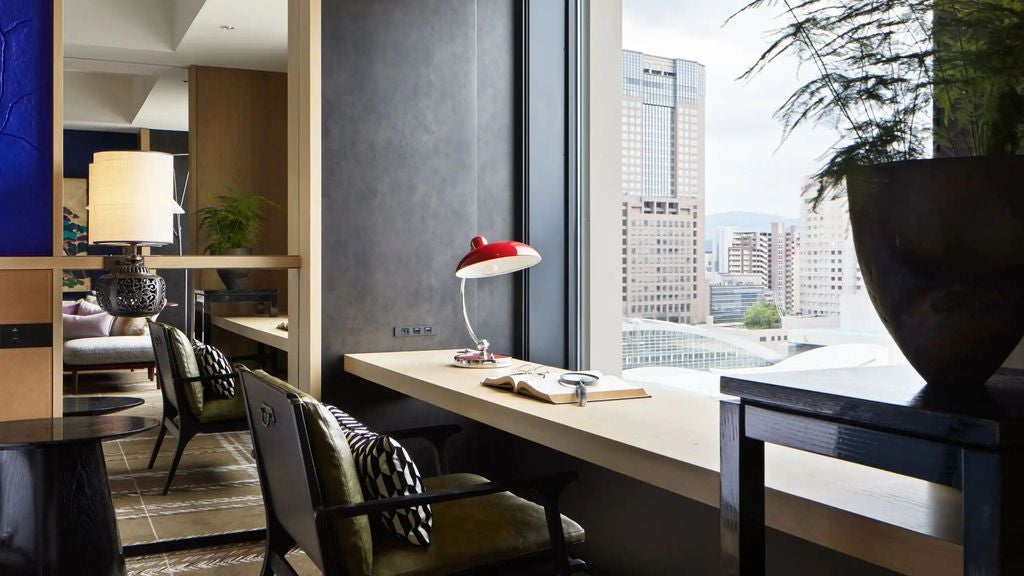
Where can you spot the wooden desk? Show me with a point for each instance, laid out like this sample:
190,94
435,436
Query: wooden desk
672,441
262,329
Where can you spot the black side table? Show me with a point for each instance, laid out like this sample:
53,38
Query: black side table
970,438
56,513
97,405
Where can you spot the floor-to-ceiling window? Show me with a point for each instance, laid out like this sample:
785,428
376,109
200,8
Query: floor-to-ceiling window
721,263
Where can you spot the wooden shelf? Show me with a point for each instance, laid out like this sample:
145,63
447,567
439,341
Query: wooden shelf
156,262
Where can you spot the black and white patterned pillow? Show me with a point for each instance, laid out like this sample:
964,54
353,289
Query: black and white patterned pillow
212,362
346,421
385,471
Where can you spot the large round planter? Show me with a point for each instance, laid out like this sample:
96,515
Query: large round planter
941,249
233,277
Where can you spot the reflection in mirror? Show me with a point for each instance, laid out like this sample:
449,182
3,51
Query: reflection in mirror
198,476
205,81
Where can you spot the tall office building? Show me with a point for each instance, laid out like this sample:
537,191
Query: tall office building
663,189
774,257
783,267
828,261
720,248
748,254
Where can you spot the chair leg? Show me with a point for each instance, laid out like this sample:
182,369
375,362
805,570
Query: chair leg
267,569
183,439
74,380
278,545
550,492
559,553
156,447
149,373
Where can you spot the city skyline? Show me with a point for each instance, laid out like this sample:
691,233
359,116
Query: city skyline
746,169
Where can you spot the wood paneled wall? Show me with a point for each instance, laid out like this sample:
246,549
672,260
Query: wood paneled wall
238,130
26,385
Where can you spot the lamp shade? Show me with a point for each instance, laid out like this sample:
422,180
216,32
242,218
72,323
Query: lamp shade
495,258
131,198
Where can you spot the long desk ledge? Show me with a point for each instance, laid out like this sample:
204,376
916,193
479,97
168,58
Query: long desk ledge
262,329
671,440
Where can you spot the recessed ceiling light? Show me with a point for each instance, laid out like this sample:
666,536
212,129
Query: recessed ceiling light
227,27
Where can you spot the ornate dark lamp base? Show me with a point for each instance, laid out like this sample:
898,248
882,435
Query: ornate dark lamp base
130,289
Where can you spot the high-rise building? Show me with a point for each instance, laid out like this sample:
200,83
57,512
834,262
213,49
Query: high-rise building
828,261
748,254
774,257
783,267
663,189
720,248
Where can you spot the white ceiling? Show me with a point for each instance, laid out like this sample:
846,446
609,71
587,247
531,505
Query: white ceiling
126,61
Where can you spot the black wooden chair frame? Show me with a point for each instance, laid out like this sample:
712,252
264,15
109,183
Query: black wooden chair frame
280,542
177,415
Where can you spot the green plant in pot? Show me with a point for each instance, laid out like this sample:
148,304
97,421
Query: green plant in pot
232,224
928,99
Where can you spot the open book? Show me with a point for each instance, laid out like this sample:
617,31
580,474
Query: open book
548,389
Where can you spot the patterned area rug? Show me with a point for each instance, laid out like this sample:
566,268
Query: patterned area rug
216,489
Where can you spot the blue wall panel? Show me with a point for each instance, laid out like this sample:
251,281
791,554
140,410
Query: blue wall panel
80,145
26,127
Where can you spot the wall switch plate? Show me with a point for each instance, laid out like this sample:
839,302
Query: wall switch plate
417,330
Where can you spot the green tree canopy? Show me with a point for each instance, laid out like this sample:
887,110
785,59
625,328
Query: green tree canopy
762,315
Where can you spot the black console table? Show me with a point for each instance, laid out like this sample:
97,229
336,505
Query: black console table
202,326
203,301
56,512
886,418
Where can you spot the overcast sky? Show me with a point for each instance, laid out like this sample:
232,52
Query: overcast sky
746,168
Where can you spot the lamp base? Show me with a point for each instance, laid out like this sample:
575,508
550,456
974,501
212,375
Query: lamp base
470,359
130,289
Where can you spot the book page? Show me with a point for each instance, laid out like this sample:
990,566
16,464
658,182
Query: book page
547,387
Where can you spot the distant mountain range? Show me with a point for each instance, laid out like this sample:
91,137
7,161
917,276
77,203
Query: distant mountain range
742,222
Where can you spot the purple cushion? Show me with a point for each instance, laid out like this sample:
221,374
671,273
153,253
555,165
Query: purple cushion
87,326
69,306
86,308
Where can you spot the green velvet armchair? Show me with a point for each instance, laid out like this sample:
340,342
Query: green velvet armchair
186,410
313,500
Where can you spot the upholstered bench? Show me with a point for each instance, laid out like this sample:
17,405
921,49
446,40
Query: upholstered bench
108,353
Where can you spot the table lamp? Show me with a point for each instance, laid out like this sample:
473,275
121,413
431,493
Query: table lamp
489,259
131,204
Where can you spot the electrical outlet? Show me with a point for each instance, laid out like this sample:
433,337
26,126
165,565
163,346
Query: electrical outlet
418,330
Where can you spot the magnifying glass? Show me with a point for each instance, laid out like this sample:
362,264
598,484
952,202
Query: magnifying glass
579,381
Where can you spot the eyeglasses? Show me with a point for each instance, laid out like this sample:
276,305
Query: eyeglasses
531,370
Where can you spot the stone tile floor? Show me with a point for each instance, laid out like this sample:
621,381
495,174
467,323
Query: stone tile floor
215,489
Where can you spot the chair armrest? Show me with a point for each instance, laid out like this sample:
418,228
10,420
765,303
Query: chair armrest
549,485
438,437
209,378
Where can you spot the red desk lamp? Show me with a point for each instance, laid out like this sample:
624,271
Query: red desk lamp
489,259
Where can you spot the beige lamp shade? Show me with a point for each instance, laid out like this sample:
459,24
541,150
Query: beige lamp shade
131,198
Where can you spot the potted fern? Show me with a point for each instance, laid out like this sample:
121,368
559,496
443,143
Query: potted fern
231,225
928,100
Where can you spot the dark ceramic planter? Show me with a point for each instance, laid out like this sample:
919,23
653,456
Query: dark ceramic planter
941,248
234,277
